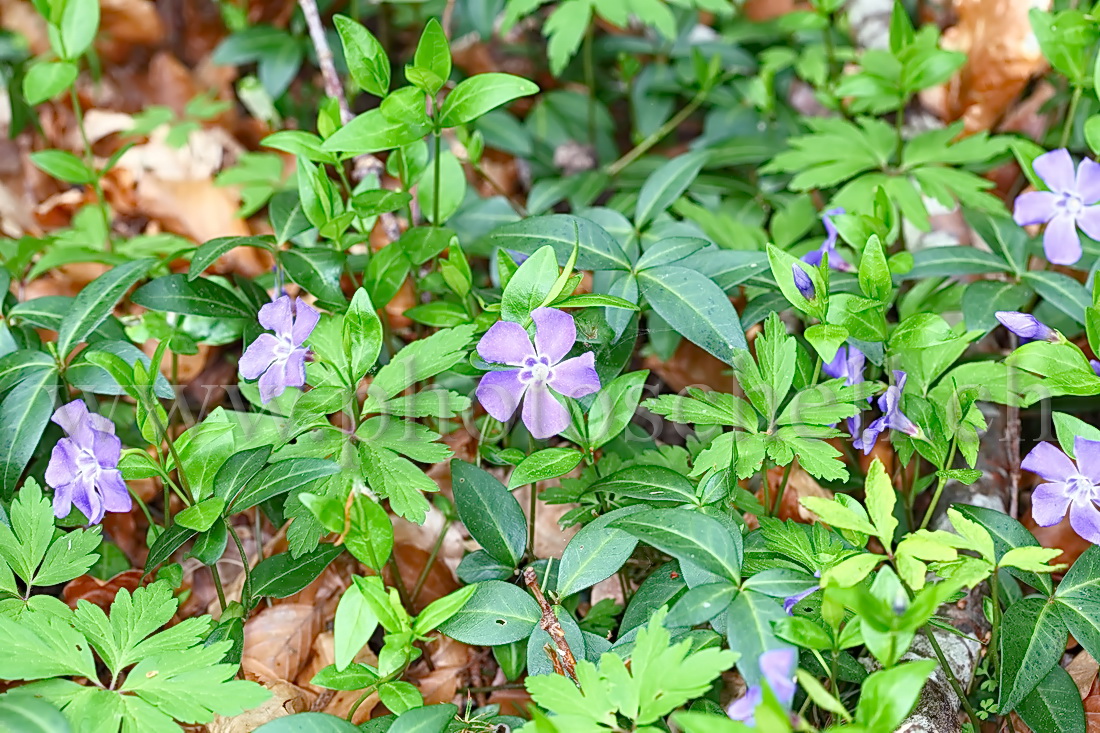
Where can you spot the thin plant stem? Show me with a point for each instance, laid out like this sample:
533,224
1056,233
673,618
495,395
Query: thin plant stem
782,488
1071,115
431,561
952,679
218,584
399,582
590,80
89,160
436,182
939,487
645,145
532,510
993,650
244,560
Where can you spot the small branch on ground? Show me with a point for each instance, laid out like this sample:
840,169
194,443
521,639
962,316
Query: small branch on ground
564,661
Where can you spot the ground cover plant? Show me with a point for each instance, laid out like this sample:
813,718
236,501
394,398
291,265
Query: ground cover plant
557,367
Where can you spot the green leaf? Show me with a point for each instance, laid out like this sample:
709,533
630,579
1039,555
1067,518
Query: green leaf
370,536
399,480
649,484
452,188
198,297
888,695
1007,533
596,249
167,543
78,26
353,626
24,413
1033,638
666,184
693,305
308,723
318,270
27,714
1062,292
701,604
880,503
592,555
497,613
490,512
45,80
954,262
63,166
361,335
544,464
239,470
282,575
280,478
427,719
420,360
441,609
373,131
529,286
749,629
479,94
614,407
834,513
367,60
201,516
1054,706
40,645
688,536
433,55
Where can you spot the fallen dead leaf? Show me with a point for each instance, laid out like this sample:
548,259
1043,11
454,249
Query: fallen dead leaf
691,366
279,639
100,592
286,699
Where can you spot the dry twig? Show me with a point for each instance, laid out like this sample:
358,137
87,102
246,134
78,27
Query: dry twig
564,661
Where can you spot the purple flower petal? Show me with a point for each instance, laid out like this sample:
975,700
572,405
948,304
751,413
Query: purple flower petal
500,392
305,320
505,343
1049,463
743,708
116,498
1084,517
791,601
1087,453
543,415
62,500
803,282
813,257
1088,181
1061,244
1089,221
278,315
870,436
1035,207
576,377
259,356
1048,504
63,466
778,667
1026,326
87,499
1056,169
555,333
107,449
294,368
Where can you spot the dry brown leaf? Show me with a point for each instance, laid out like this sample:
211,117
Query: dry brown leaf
286,699
279,639
1002,57
691,366
1083,670
1059,536
198,210
100,592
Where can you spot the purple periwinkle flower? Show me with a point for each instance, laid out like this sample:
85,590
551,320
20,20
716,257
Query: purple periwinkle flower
1026,326
279,360
777,666
1095,366
83,468
848,364
892,416
1068,486
1065,207
803,282
836,262
791,601
539,368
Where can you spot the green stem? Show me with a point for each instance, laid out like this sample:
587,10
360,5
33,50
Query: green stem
899,125
436,182
939,488
431,561
992,650
1071,115
218,584
244,561
590,81
644,146
782,488
532,511
399,582
89,160
952,679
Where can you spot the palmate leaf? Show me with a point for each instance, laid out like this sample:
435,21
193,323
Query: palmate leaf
835,151
29,547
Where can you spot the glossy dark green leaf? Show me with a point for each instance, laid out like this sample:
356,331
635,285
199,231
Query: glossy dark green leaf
688,536
749,630
96,301
427,719
593,554
544,464
281,575
198,297
239,469
167,543
1033,637
471,98
597,250
279,478
695,307
308,723
648,483
24,414
210,252
497,613
1007,533
666,184
490,512
1054,706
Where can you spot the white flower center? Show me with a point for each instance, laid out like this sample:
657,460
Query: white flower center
284,348
1080,489
86,463
536,371
1072,203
